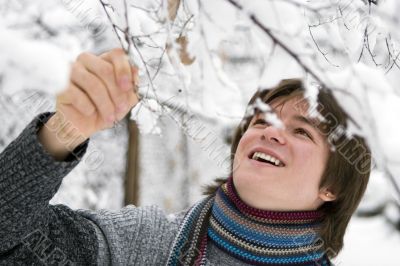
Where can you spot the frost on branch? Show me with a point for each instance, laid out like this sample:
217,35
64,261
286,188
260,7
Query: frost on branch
32,64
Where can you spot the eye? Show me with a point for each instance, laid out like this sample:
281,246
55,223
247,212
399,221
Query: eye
260,121
303,132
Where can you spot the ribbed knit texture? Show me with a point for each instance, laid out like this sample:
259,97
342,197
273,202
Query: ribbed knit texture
264,237
192,234
32,233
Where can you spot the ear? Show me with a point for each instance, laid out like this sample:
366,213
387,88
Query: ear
326,195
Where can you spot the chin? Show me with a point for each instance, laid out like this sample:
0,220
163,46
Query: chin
252,175
248,181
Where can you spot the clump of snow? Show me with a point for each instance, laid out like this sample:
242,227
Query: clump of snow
260,105
32,64
140,22
269,115
146,114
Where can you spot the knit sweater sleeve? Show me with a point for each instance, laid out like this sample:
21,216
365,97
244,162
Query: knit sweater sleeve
134,235
32,231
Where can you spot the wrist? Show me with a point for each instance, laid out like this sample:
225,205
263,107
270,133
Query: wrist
59,138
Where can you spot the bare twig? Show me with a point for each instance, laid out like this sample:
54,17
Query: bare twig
319,49
394,59
114,26
126,35
366,43
278,42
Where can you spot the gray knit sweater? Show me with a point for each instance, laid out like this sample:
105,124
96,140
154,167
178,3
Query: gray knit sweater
33,232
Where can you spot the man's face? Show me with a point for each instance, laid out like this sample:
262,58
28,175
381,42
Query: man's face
302,151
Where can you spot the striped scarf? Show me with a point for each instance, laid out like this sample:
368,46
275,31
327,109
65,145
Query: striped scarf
251,235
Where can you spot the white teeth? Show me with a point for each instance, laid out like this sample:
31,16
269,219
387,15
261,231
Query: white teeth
266,157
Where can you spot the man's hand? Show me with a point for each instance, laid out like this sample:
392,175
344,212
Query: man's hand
101,91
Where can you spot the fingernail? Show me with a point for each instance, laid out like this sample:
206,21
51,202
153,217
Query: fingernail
124,82
111,119
136,79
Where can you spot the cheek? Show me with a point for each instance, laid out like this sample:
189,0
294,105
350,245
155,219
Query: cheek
244,144
243,147
239,153
312,161
322,158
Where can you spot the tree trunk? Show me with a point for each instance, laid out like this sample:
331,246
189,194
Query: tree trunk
132,165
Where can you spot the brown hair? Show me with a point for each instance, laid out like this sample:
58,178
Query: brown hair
348,166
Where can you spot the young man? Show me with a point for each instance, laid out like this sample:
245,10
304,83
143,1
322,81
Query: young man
288,200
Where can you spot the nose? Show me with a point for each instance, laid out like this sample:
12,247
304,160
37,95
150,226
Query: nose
274,135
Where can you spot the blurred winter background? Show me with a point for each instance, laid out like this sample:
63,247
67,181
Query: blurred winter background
200,61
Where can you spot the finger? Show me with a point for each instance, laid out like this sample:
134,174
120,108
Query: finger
104,70
96,91
135,77
133,96
122,68
81,101
133,100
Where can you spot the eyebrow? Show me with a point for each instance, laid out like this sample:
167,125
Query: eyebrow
312,122
308,121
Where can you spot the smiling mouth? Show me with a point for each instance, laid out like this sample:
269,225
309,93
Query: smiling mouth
265,158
